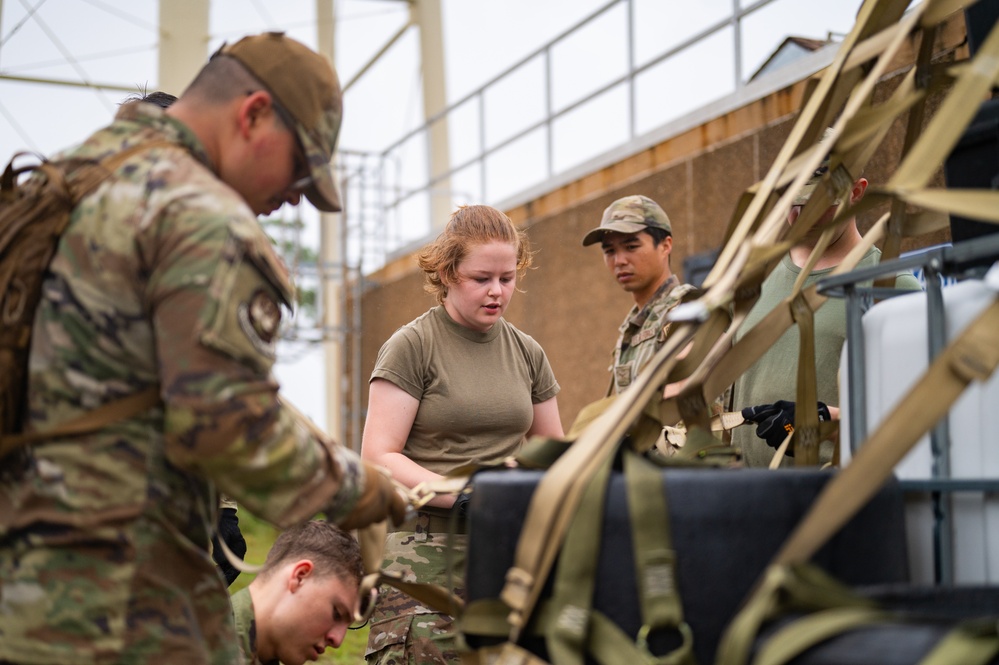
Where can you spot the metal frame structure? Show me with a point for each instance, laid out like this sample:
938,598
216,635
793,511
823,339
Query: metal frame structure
964,259
441,182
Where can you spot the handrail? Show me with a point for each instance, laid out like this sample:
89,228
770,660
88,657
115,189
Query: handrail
419,179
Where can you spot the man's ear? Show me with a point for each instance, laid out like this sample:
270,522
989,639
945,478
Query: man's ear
666,245
252,110
858,189
299,573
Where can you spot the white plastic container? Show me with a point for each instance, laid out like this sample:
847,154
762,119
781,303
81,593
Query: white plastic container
896,356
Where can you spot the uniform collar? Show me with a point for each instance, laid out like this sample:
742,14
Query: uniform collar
154,117
636,317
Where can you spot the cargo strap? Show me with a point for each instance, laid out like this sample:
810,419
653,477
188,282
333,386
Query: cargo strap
972,356
558,495
104,415
85,179
572,627
655,560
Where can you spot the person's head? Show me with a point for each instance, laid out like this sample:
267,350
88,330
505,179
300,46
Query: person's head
269,109
473,266
305,596
637,239
855,193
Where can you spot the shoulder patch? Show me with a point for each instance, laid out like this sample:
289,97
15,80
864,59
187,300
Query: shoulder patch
243,319
260,319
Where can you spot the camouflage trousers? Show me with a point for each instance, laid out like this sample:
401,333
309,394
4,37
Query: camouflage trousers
404,631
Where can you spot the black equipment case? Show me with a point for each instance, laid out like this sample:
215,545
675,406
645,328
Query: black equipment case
726,526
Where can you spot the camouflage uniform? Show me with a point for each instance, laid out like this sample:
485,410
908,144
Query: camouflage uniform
644,331
164,276
404,631
246,626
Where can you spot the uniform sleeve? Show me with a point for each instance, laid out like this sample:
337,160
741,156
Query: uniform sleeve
400,362
216,291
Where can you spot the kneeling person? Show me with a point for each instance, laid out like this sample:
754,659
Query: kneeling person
304,598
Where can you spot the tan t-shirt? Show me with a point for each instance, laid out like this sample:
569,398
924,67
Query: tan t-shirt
477,390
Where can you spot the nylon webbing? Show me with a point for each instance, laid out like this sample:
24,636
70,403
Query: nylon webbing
576,575
557,496
83,180
91,421
972,356
806,418
655,558
974,642
794,639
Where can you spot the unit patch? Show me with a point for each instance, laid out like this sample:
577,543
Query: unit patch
260,319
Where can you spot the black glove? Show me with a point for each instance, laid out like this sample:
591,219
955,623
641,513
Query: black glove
228,529
775,421
460,506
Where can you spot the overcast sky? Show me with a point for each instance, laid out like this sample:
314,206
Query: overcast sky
115,42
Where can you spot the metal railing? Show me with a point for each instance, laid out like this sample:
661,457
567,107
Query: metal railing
474,179
966,259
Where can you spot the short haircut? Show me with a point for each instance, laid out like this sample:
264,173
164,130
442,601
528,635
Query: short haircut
658,235
469,226
221,79
331,550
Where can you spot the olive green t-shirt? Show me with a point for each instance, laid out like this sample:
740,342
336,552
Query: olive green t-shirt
477,390
774,376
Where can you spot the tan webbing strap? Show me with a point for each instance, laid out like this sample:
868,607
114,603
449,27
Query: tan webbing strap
974,642
806,132
557,496
802,634
433,596
806,418
83,181
739,357
655,558
942,133
782,588
576,575
104,415
806,423
972,356
893,243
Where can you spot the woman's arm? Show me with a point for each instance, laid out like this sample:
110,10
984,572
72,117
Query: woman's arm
546,419
391,413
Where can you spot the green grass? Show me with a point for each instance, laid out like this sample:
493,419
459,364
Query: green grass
259,537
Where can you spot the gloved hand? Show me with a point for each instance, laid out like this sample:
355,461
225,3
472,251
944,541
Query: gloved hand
379,500
461,505
775,421
228,530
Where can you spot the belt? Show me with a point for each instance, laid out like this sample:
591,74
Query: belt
433,522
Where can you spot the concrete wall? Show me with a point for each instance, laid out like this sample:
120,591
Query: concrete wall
571,304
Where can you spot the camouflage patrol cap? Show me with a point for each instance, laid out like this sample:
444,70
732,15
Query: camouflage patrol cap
305,84
629,215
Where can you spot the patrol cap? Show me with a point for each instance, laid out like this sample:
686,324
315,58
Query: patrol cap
806,190
304,84
629,215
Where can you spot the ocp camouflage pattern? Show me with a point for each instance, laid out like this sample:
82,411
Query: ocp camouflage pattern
644,331
164,276
403,630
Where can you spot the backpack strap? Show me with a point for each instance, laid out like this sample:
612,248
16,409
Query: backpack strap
75,179
120,409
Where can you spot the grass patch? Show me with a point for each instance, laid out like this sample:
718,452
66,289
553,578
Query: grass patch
259,537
